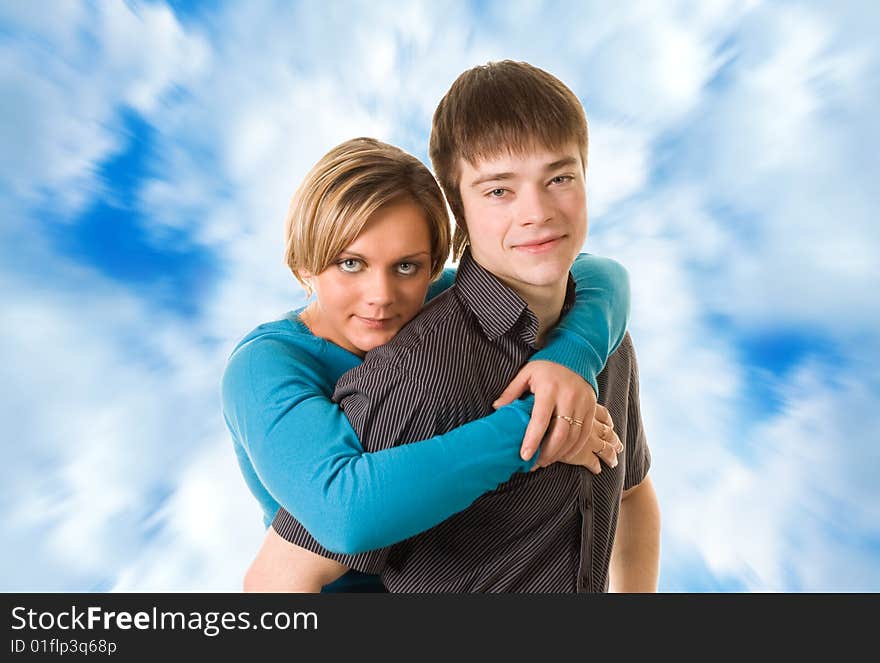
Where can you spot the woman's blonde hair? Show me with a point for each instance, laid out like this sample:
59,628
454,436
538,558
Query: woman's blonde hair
342,191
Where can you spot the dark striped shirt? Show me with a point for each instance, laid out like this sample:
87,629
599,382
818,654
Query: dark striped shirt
546,531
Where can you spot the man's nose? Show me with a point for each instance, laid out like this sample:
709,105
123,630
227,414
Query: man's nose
534,206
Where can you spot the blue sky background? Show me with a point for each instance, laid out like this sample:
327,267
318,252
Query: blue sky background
149,153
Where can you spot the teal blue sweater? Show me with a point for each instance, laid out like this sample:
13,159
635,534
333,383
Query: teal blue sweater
296,448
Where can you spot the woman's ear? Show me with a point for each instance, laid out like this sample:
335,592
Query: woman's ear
305,277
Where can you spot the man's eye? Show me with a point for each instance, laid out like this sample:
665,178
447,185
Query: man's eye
561,179
350,265
497,193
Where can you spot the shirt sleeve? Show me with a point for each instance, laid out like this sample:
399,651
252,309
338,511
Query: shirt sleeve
638,455
308,457
594,327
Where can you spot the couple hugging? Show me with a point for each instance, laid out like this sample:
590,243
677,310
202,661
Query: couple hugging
421,429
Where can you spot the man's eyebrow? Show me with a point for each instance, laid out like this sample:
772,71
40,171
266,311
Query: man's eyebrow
562,163
497,177
491,177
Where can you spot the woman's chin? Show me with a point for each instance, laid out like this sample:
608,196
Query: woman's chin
369,342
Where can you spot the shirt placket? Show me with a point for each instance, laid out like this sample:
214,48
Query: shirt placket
585,504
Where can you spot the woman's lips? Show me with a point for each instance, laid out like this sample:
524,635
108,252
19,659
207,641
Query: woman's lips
376,323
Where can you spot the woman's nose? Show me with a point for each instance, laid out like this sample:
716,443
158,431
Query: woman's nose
380,290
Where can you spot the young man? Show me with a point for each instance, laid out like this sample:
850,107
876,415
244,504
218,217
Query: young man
509,147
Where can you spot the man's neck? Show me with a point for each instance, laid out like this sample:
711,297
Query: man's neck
545,302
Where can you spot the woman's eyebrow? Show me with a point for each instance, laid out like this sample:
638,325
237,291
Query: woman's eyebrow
355,254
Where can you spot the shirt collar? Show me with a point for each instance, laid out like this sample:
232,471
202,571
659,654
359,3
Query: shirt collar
496,306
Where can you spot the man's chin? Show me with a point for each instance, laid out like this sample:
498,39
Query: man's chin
546,274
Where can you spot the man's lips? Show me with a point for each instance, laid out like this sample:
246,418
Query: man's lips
539,245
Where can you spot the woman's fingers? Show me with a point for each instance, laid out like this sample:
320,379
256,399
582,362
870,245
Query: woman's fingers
538,424
515,389
564,432
603,439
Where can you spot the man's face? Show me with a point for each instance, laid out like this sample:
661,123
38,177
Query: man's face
526,216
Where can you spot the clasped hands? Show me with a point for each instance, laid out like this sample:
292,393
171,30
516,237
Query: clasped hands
567,422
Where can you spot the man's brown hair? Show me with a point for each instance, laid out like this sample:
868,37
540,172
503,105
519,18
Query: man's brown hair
495,108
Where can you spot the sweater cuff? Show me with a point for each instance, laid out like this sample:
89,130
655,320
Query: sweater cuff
574,355
512,420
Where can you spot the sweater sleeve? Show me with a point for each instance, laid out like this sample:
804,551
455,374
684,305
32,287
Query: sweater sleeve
306,454
587,335
443,282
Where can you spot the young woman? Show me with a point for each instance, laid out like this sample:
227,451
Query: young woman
367,232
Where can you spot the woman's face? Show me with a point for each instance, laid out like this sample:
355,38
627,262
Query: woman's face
377,283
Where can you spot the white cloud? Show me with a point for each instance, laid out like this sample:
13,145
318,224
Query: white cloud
148,51
783,151
804,514
64,90
618,165
210,531
105,402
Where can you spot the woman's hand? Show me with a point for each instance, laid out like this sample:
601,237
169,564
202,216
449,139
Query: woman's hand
603,443
565,405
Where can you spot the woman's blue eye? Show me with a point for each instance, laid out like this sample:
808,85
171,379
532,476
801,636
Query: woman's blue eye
407,268
350,265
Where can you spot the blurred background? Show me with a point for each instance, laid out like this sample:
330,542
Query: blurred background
150,149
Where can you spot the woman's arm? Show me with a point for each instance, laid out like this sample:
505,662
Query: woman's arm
276,404
443,282
563,374
587,335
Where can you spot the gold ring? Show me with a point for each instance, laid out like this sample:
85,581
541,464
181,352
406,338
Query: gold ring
570,420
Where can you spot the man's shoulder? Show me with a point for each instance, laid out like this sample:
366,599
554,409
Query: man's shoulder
625,351
404,361
618,381
429,329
